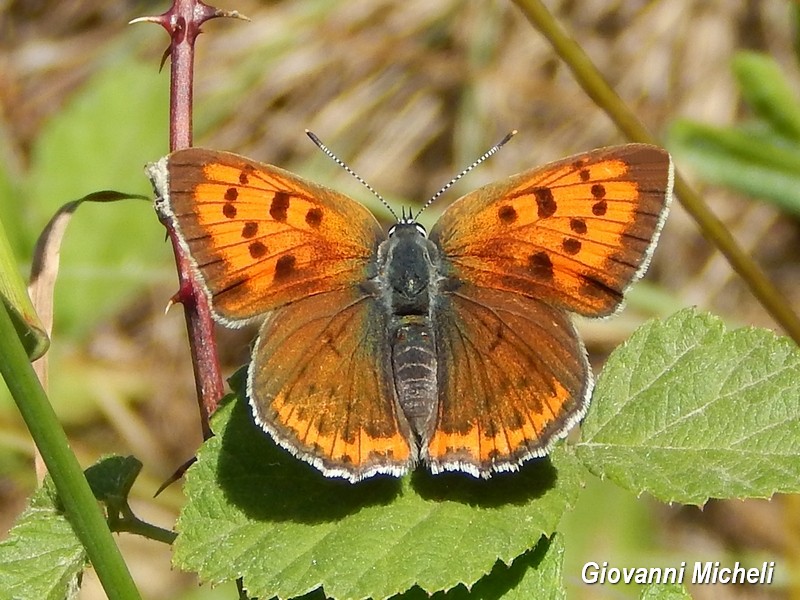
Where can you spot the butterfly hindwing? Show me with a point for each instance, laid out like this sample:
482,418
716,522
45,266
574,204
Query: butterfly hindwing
513,378
321,383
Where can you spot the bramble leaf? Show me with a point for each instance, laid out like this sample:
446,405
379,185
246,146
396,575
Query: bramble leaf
688,411
256,512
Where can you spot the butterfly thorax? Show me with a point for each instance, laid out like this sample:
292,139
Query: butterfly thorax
409,274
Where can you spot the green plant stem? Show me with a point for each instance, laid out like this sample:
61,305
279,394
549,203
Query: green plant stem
597,88
130,523
82,510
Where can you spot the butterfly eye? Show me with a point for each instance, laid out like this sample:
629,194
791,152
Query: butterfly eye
406,223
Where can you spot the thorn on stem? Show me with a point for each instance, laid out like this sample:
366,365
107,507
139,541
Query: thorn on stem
164,58
172,302
187,17
179,472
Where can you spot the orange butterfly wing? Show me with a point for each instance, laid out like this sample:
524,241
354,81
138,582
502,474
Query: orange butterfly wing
574,233
513,377
569,236
268,244
260,236
320,382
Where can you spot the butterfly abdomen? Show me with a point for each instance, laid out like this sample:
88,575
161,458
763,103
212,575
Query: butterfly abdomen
414,367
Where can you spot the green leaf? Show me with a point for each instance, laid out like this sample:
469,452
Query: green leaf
255,511
687,411
767,92
14,294
42,558
672,591
112,477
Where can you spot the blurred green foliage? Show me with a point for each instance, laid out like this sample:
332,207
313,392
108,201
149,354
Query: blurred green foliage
760,157
99,140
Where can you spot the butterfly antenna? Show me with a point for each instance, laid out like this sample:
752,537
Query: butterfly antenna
450,183
341,163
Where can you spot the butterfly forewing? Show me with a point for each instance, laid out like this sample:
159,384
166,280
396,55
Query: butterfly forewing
260,236
574,233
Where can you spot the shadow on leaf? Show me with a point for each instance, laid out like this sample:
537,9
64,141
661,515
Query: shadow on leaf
533,480
269,484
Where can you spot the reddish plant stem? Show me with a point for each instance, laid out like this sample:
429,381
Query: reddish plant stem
183,21
202,343
196,309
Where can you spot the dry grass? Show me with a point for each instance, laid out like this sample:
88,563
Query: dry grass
407,93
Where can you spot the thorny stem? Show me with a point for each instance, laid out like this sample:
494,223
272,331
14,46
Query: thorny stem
183,22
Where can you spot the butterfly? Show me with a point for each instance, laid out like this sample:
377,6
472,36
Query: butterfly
455,349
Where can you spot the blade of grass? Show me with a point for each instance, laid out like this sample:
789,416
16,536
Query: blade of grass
80,506
12,291
597,88
767,92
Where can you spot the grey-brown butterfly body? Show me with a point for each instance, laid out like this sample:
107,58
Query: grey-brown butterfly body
409,272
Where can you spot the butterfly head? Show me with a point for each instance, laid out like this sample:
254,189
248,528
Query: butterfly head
407,226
